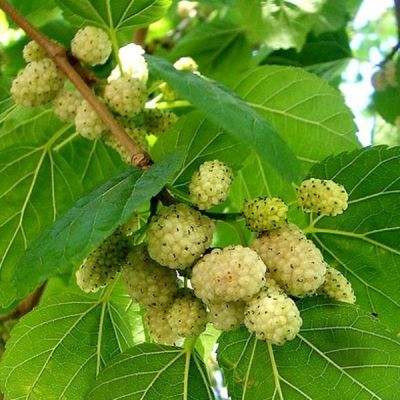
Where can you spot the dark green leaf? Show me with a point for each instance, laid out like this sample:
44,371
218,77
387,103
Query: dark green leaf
364,241
93,218
153,372
56,351
228,111
340,353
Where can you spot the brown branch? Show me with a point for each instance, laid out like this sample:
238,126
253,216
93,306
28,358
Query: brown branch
58,54
140,36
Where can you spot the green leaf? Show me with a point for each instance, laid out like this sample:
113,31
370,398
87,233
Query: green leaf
341,352
114,15
6,103
309,114
332,17
201,141
219,47
38,12
364,241
231,113
148,371
387,103
281,24
44,168
56,351
93,218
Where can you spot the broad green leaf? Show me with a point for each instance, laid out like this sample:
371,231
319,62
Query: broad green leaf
6,103
332,17
93,218
231,113
309,114
38,12
202,141
219,47
364,241
44,168
153,372
114,15
57,350
280,24
340,353
387,103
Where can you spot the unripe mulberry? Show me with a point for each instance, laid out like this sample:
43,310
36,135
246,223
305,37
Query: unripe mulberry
272,316
88,123
187,9
390,73
187,316
294,262
103,264
157,122
66,104
231,274
186,64
126,96
37,84
324,197
91,45
178,235
210,184
226,316
137,134
158,327
33,52
337,287
148,283
264,214
378,81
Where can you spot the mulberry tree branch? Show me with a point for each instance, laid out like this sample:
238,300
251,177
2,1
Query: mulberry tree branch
59,55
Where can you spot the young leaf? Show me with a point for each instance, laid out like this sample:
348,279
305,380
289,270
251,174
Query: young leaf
92,219
44,168
114,16
148,371
341,352
57,350
279,24
231,113
202,141
309,114
363,241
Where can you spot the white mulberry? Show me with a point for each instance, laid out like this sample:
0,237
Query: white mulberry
187,9
337,287
88,123
91,45
66,104
186,64
157,122
178,235
272,316
264,214
231,274
103,264
324,197
158,327
148,283
294,262
37,84
187,316
210,184
33,52
226,316
126,96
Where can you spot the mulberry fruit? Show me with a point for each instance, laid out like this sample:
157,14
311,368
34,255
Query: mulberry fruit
178,235
66,104
210,184
324,197
264,214
231,274
88,123
186,64
337,287
226,316
272,316
158,327
33,52
148,283
157,122
294,262
91,45
187,316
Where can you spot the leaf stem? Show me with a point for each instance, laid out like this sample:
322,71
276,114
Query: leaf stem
115,47
275,371
59,56
188,349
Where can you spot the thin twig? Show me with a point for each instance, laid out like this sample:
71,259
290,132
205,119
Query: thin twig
59,55
140,36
